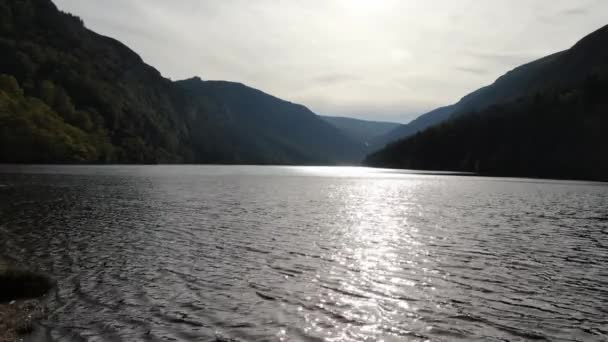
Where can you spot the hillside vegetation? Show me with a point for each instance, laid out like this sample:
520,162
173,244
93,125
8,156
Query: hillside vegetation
552,134
560,70
83,97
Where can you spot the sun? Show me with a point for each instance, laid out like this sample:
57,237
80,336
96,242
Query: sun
364,6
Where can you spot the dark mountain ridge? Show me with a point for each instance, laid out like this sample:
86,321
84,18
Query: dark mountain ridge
561,69
119,109
281,131
554,129
364,131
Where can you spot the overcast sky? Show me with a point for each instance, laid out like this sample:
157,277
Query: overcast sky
373,59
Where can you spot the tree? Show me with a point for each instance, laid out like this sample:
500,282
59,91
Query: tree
9,84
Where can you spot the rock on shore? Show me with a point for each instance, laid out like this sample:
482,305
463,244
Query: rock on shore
18,306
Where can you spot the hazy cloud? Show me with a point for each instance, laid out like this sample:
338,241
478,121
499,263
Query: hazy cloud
575,11
507,58
378,59
472,70
334,78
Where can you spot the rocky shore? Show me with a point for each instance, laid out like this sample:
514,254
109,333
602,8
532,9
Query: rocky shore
19,306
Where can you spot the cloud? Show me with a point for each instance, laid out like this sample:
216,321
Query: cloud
380,58
507,58
575,11
473,70
329,79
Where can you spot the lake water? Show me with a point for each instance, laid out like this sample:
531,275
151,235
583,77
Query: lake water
256,253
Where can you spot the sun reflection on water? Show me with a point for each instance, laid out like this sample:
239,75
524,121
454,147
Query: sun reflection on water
379,260
302,254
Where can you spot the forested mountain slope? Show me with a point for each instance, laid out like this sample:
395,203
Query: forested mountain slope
364,131
249,126
125,111
557,130
559,70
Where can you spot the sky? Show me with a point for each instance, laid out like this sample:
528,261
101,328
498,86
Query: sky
388,60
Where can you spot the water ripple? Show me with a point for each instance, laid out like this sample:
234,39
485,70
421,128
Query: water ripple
309,254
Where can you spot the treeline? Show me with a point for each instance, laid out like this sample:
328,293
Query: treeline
556,133
93,83
32,131
118,109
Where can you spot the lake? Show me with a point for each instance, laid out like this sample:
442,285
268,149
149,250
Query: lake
263,253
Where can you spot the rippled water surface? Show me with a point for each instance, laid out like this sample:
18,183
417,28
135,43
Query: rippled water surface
246,253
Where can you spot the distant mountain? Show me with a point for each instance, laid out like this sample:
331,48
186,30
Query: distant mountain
557,70
246,125
363,131
546,119
68,94
422,122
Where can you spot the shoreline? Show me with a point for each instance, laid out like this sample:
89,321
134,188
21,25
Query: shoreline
429,172
17,319
21,294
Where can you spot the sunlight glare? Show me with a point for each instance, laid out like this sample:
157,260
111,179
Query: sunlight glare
365,7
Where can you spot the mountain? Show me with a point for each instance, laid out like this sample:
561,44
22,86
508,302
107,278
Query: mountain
555,128
68,94
422,122
249,126
363,131
558,70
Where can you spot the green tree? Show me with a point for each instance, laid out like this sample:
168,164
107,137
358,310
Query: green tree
9,84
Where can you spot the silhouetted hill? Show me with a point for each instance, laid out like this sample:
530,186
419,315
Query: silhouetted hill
554,129
249,126
94,100
422,122
363,131
558,70
124,107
